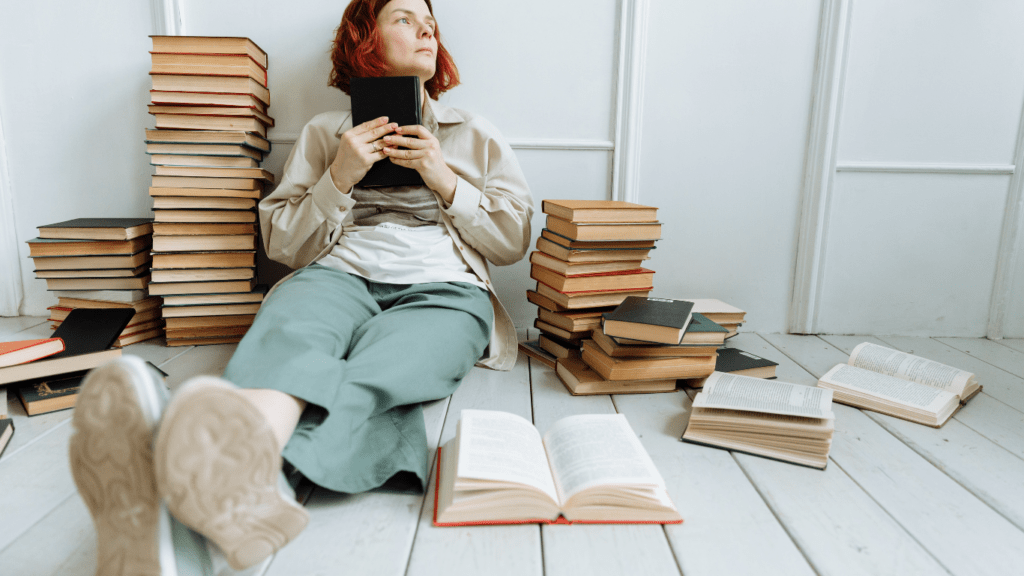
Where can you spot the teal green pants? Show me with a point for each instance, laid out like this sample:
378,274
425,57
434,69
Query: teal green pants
363,355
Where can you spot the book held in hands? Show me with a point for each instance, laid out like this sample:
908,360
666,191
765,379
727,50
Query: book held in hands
588,468
777,420
900,384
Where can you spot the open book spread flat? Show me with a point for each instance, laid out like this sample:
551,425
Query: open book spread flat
589,468
900,384
779,420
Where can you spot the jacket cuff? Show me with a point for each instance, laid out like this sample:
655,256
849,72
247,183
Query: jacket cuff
465,202
334,204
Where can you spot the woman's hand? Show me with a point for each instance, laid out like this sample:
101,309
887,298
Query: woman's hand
424,156
359,148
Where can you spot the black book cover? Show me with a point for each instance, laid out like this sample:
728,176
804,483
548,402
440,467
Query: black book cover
653,312
100,223
701,323
398,98
87,330
734,359
6,431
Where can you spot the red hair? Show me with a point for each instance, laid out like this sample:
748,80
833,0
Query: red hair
358,50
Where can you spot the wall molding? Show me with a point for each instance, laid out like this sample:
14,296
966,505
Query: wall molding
167,18
1010,252
820,165
12,292
629,99
925,168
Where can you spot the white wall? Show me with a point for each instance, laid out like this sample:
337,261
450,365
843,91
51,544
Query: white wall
724,131
725,121
939,85
73,94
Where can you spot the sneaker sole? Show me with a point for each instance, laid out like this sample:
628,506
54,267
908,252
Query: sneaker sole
217,465
111,462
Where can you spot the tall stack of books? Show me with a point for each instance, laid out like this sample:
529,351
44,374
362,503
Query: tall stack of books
100,263
210,100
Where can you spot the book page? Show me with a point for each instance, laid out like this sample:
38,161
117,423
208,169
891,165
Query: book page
909,367
592,449
733,392
503,447
888,387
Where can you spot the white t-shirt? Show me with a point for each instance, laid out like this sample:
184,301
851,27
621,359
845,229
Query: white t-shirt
396,254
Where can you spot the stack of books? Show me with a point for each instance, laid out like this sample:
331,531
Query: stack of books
210,100
100,263
588,259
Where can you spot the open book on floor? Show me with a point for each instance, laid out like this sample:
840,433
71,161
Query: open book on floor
778,420
588,468
901,385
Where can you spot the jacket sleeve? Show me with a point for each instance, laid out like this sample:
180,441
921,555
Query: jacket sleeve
492,206
306,211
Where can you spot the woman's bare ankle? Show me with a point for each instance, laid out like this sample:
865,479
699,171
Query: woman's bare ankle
281,410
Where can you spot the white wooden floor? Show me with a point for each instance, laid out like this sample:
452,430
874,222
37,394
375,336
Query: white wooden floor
896,498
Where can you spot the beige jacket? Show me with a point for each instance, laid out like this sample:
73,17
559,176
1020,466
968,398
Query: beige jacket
489,217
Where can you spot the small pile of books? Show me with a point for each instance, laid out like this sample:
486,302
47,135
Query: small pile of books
210,100
778,420
588,260
47,372
100,263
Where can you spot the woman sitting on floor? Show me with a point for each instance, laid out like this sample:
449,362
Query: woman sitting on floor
391,306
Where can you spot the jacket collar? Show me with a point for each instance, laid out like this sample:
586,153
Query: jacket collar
435,113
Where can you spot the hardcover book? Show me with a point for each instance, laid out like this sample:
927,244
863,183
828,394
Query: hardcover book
219,84
88,335
699,331
236,137
660,320
777,420
22,351
901,385
98,229
92,262
574,244
736,361
605,230
586,255
398,98
588,298
639,279
499,470
599,211
580,379
212,161
616,350
40,397
532,349
577,268
209,45
620,368
38,247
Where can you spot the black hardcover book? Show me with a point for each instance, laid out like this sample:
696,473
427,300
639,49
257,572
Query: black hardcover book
88,330
6,431
398,98
652,319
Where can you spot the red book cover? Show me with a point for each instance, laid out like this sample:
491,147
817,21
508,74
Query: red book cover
22,351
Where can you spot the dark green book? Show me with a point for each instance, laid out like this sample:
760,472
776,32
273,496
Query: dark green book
701,331
736,361
42,396
660,320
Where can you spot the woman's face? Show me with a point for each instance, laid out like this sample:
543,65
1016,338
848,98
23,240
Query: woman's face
410,48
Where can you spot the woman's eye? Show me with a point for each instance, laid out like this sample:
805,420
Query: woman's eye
403,20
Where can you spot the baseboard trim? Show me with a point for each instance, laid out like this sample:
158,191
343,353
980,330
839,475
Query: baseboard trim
924,168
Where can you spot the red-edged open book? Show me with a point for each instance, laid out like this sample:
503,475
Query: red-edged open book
589,469
22,351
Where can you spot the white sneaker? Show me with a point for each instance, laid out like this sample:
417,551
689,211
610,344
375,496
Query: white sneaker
218,467
111,454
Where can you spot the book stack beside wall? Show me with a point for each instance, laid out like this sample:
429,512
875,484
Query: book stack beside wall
100,263
210,98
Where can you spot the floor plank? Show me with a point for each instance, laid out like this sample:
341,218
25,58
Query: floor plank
61,543
848,532
728,528
593,550
12,326
368,533
475,550
1015,343
1000,356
